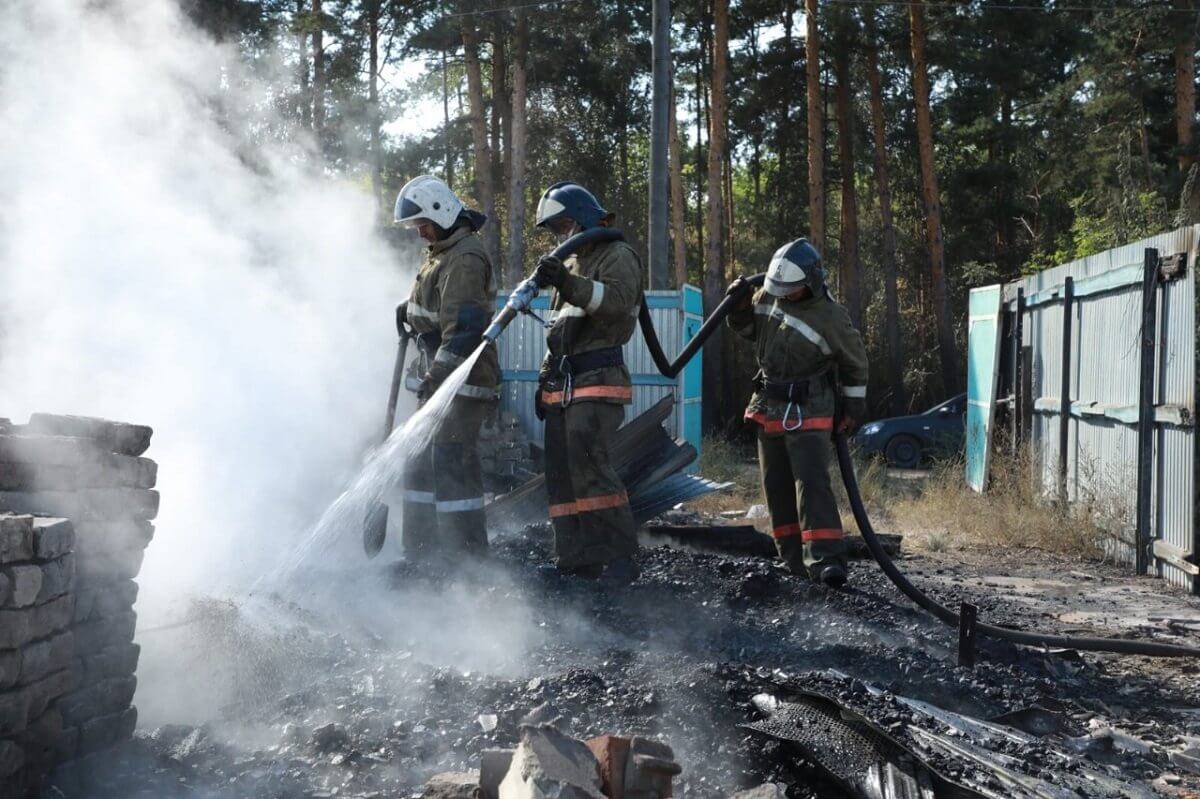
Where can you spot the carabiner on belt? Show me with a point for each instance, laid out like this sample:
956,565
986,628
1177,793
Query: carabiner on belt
564,369
799,416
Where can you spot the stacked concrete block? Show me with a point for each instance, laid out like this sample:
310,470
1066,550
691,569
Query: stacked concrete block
85,501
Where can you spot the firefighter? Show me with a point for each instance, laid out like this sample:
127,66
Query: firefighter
450,305
584,386
806,347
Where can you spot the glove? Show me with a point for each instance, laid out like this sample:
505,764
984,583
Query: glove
550,272
854,410
741,286
426,389
402,318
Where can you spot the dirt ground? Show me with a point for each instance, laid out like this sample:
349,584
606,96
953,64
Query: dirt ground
331,707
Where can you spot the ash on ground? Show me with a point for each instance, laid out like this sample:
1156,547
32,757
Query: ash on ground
332,704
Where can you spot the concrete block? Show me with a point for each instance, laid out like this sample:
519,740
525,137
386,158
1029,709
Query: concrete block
46,656
116,661
52,538
20,625
550,765
452,785
107,731
14,711
16,627
649,770
768,790
493,765
102,699
104,471
12,758
46,690
40,740
119,437
57,578
95,636
105,601
121,565
67,746
25,582
16,537
90,504
612,753
92,537
10,668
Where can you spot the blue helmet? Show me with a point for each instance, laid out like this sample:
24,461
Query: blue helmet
795,265
572,201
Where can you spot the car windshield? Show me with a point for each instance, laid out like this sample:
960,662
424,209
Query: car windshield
952,404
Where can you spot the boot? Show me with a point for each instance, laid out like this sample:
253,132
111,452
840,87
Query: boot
833,576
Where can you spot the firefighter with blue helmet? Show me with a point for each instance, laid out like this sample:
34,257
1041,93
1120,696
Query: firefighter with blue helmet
807,350
451,303
584,386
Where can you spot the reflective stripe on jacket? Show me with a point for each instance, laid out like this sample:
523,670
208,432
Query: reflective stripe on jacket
596,308
451,303
797,341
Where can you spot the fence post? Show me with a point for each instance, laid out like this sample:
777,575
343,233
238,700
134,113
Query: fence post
1064,411
1145,428
1015,410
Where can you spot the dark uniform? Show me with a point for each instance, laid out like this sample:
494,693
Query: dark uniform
451,303
802,346
584,386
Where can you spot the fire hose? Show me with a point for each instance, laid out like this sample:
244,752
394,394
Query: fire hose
528,290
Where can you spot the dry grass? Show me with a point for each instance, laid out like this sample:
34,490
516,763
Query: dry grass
936,511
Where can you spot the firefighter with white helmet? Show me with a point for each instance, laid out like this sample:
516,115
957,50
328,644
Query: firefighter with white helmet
450,305
806,349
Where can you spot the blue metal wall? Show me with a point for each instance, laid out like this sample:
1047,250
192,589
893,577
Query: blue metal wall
677,316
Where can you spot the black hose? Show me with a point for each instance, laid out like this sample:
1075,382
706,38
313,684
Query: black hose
846,466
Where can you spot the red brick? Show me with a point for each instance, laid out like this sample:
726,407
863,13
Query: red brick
612,752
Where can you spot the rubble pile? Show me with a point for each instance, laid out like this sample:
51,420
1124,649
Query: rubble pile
76,501
678,656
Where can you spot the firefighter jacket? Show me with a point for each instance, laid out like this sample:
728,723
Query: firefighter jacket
451,304
595,312
801,346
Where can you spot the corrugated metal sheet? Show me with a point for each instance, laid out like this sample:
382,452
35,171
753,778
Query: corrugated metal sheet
1104,369
523,345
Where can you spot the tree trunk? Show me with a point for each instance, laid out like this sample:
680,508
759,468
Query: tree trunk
318,52
1185,82
449,152
516,186
699,155
816,129
784,126
851,266
499,118
484,187
373,10
947,349
714,273
891,314
305,103
678,209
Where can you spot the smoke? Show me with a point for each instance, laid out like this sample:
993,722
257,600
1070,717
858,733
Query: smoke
163,262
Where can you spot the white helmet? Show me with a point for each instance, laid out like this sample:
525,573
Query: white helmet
794,265
427,197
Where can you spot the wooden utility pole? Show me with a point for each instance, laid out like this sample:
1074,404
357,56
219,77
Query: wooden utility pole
947,350
816,128
516,186
484,187
883,188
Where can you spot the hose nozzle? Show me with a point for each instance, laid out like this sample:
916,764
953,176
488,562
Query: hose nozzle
518,302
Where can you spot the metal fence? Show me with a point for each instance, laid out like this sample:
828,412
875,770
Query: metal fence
1097,368
677,316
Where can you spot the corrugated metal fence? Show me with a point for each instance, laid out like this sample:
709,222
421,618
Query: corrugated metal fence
677,316
1126,397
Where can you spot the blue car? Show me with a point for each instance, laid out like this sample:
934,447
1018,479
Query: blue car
909,441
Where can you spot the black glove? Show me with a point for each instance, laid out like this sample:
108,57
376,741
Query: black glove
741,286
426,389
402,318
550,272
854,411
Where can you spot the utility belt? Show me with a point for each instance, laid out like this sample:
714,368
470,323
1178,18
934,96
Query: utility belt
795,394
570,365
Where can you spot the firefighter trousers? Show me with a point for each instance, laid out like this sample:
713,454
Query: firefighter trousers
593,524
443,488
805,522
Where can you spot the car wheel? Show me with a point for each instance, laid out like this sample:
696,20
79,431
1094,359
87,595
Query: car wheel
903,451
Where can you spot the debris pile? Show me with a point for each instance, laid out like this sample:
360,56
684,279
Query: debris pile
75,503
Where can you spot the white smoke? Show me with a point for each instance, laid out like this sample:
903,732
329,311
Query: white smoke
160,266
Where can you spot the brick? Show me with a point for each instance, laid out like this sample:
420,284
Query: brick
106,471
95,636
104,601
16,627
91,504
14,711
122,565
40,737
19,626
120,437
16,537
116,661
107,731
649,769
52,538
102,699
53,616
10,667
103,537
67,746
48,689
12,758
25,581
57,578
612,753
5,589
548,763
47,656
